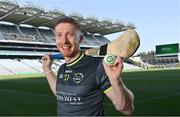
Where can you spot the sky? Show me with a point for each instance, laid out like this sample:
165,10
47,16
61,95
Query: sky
157,21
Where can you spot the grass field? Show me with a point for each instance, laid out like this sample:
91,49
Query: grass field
156,93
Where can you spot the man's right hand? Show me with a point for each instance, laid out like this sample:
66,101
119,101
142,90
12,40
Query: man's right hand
46,63
51,77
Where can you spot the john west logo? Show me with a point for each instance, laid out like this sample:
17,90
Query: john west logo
78,77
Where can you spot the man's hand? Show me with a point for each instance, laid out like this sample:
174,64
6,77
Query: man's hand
51,77
46,63
114,71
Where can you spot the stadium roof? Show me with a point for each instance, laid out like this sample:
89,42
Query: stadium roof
36,16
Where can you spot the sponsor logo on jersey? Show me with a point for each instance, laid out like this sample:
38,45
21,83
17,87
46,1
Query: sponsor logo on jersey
69,98
78,77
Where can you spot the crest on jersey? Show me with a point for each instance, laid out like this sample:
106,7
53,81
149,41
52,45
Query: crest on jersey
78,77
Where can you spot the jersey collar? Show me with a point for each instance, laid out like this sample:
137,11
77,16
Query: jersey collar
76,60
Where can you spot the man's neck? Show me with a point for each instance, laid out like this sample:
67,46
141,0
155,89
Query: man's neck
71,59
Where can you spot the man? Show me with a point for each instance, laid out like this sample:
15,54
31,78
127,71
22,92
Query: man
82,81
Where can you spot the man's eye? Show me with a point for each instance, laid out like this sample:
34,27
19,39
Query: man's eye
70,34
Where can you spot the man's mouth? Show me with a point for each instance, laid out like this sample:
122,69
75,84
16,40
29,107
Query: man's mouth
66,47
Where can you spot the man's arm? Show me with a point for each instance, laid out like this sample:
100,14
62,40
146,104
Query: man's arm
50,75
121,97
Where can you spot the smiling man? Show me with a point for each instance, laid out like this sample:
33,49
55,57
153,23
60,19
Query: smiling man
83,81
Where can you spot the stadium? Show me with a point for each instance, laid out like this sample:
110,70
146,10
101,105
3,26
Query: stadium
26,34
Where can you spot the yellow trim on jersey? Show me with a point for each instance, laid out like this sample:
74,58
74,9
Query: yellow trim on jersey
108,89
74,62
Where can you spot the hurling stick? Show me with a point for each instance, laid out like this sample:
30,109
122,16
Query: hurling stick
124,46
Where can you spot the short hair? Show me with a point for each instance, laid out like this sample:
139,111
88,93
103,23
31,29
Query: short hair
70,20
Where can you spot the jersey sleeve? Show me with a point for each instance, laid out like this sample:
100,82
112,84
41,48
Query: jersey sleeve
102,79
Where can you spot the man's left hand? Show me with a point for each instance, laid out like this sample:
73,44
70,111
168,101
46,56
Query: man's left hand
114,71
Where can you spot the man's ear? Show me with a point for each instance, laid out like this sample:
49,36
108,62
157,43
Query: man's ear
81,37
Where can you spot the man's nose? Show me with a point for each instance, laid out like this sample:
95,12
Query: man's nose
64,39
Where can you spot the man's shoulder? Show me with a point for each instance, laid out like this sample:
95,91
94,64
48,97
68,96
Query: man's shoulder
98,59
92,60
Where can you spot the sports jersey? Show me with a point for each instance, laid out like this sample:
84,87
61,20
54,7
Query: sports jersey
80,87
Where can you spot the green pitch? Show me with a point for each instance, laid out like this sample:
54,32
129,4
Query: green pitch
156,93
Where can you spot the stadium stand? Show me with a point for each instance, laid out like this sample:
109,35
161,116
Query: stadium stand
16,67
165,56
48,35
26,34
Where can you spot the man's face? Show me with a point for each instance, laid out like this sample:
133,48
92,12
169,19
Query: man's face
68,39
